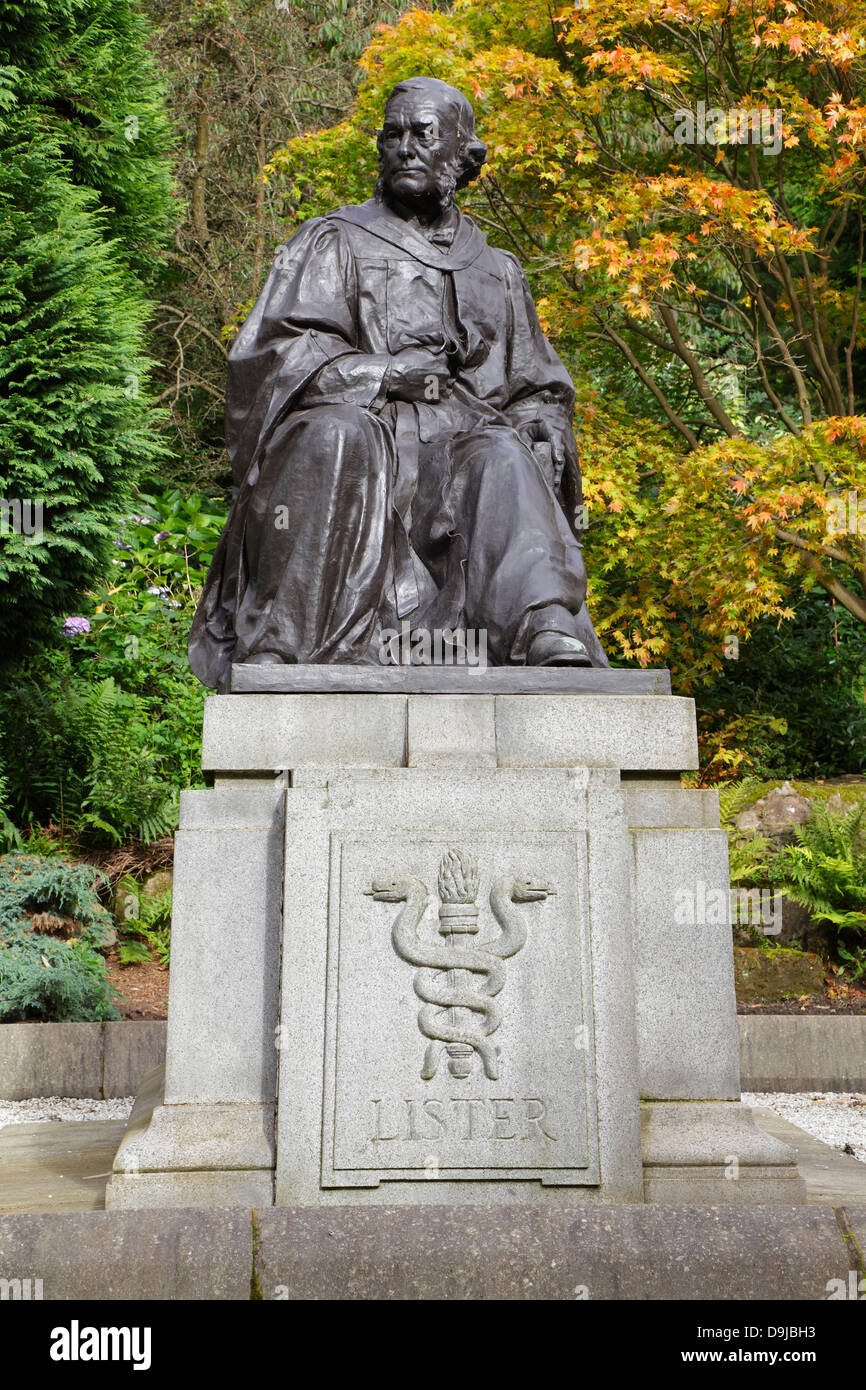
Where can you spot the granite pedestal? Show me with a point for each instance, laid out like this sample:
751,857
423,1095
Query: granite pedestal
446,942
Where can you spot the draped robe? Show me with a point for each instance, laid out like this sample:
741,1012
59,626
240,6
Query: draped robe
353,512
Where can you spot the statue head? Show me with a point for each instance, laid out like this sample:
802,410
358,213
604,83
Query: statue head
427,145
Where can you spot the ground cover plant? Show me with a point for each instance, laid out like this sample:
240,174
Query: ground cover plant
53,928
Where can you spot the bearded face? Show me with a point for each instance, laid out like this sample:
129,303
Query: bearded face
419,151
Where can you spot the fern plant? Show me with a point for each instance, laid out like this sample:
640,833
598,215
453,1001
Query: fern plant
825,871
76,755
147,934
120,796
750,856
734,797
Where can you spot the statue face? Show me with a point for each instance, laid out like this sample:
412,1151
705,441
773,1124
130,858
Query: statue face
418,148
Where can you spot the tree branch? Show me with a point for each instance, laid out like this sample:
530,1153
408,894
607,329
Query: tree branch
678,423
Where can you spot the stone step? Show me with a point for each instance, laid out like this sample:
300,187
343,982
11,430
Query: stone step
623,1252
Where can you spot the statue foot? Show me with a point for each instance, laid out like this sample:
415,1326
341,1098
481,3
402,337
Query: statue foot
556,649
266,659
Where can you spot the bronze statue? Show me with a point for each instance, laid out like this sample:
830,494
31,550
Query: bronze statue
400,433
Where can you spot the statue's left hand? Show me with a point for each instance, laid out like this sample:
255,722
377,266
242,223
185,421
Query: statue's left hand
543,431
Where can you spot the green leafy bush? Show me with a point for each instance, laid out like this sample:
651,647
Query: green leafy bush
46,981
42,978
34,883
140,618
10,836
825,871
98,733
793,703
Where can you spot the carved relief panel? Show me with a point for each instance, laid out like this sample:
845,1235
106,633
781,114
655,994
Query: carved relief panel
459,1033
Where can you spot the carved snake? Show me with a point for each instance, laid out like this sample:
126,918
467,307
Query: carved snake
482,958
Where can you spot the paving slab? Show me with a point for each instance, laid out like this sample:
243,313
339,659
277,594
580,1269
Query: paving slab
54,1167
832,1178
622,1251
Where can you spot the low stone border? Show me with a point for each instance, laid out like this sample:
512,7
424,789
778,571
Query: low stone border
778,1052
99,1060
496,1252
781,1052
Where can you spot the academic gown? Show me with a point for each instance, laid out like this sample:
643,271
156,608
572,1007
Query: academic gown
351,512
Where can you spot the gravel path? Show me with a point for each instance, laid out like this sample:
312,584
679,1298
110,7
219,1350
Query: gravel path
26,1112
836,1118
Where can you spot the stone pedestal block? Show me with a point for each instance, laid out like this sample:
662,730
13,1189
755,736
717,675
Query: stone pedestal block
457,1009
712,1151
214,1110
449,948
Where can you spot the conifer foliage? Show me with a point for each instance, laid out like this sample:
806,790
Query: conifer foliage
85,205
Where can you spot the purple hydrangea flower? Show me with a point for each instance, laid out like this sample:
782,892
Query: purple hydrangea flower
73,627
143,520
121,545
162,536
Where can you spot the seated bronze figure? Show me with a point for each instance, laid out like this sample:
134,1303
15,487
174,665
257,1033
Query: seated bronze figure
400,433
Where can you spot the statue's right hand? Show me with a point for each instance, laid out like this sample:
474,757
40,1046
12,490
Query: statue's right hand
419,375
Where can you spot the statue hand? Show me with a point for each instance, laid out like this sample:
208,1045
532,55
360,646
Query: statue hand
419,375
543,431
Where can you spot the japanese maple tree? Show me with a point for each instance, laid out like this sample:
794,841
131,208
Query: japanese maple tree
684,182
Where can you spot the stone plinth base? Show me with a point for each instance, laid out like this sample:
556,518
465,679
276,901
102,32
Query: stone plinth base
193,1155
450,949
